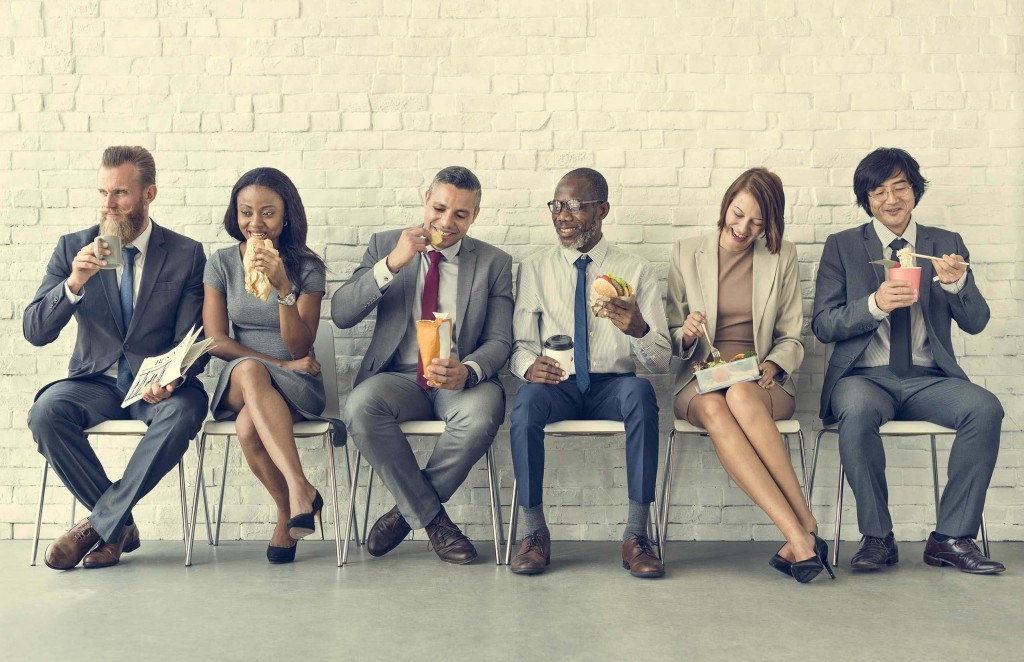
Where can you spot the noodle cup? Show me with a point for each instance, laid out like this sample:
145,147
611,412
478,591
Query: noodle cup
910,274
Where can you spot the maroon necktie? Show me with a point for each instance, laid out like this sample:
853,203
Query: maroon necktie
429,302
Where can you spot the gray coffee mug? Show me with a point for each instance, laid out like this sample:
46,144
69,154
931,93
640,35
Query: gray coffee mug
114,245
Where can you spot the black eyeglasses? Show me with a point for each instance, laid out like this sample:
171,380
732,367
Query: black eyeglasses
572,205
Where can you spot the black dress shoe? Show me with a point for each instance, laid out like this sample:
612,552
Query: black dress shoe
806,570
781,564
281,554
448,542
961,553
875,553
387,533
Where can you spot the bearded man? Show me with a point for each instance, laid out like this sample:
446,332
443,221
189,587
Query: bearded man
142,308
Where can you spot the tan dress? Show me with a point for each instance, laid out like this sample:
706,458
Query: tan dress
735,331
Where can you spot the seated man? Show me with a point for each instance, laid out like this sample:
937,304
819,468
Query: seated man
140,309
408,275
893,360
554,299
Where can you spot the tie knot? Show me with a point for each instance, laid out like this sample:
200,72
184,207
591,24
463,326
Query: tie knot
897,243
129,253
582,261
435,257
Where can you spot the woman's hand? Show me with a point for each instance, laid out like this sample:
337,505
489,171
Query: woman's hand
272,266
769,369
692,328
305,364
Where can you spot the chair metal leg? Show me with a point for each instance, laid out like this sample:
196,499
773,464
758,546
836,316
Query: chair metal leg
803,468
348,481
350,510
366,511
666,488
206,514
654,527
984,537
39,513
935,477
495,508
74,504
513,520
839,515
332,479
200,454
184,503
814,464
497,499
223,483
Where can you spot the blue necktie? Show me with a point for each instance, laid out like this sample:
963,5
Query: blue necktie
900,349
124,369
581,354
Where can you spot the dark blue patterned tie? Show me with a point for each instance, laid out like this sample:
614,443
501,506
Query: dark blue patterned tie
899,328
124,369
581,354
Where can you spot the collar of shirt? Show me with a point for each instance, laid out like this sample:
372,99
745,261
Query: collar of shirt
142,241
596,253
885,235
450,252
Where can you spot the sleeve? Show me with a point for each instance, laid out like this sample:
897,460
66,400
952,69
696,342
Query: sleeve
525,323
50,310
214,275
678,306
382,274
314,278
654,350
787,345
835,318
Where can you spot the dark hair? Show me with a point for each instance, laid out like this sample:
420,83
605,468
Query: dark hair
460,178
138,156
766,189
292,242
882,164
598,184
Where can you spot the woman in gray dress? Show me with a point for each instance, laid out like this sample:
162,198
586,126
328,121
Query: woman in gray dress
272,377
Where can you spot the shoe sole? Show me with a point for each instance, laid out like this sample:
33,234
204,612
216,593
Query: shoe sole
643,575
937,562
298,533
873,566
128,549
528,571
463,562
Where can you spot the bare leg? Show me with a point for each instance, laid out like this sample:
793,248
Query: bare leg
267,472
744,466
251,388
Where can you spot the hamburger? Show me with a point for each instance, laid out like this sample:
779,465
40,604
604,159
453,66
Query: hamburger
610,285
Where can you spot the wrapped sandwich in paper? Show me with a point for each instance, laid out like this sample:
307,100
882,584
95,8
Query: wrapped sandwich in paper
434,338
256,282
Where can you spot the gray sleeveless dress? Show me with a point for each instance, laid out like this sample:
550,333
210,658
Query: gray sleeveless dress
255,324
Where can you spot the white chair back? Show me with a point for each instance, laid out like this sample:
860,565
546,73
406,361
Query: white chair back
323,347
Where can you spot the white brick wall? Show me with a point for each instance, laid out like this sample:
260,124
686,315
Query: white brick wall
360,101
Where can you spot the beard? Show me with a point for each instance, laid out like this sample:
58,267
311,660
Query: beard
128,227
582,239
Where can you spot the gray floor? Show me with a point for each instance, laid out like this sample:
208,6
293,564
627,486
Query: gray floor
720,601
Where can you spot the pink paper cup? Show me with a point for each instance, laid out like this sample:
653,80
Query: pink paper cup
910,274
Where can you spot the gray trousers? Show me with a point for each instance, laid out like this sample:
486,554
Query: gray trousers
869,397
65,409
373,412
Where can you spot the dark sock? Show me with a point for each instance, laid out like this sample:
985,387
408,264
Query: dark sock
636,524
940,537
533,519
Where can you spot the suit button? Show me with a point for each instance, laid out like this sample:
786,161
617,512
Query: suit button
127,347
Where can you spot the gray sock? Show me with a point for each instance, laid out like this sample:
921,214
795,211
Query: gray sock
636,525
533,519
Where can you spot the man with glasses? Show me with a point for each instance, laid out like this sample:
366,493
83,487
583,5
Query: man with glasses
893,360
600,382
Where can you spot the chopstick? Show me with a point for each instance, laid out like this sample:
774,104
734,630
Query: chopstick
932,257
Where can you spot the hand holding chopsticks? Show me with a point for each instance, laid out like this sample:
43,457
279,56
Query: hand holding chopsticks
932,257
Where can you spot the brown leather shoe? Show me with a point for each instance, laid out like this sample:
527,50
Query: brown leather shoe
961,553
387,532
68,550
448,542
534,554
639,558
107,554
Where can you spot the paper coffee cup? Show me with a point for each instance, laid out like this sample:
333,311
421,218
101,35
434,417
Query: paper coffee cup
113,245
910,274
560,348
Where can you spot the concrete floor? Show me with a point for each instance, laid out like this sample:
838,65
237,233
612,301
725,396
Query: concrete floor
720,601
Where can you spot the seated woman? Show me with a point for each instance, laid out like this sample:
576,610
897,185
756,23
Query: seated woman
272,377
741,283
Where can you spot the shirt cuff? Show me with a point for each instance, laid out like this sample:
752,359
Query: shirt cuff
875,311
382,274
954,288
646,344
72,297
472,365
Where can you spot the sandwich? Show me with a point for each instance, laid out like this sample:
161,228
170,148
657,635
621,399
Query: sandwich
610,285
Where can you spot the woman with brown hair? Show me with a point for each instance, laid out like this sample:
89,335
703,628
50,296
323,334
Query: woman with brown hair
742,285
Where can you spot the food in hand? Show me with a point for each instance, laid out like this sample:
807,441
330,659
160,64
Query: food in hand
704,365
435,238
905,256
256,282
610,285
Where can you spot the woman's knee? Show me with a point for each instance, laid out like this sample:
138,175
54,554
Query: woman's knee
250,374
710,410
744,401
245,430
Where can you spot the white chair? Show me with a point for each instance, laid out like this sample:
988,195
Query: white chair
786,428
577,428
421,429
111,428
890,429
324,349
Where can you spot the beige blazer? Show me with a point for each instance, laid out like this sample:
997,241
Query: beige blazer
777,305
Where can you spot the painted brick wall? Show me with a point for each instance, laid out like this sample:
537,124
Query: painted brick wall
360,101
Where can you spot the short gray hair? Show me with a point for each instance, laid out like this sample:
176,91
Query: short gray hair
137,156
460,178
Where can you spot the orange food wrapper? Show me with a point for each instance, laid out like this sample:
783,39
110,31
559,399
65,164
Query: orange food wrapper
434,338
256,282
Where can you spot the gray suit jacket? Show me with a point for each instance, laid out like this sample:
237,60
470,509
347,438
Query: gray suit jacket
483,317
169,303
845,281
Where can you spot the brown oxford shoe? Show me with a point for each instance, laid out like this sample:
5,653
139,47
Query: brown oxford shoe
639,558
961,553
387,532
534,554
68,550
107,554
448,542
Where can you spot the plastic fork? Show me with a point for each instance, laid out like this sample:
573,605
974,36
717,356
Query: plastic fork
715,354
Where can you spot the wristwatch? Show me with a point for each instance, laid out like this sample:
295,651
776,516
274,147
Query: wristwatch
288,300
472,380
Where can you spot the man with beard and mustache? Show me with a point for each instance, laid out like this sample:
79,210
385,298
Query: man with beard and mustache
600,383
143,308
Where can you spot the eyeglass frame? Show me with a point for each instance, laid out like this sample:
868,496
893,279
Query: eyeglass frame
899,190
567,205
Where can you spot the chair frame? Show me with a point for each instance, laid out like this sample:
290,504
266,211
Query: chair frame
419,429
111,428
682,427
581,428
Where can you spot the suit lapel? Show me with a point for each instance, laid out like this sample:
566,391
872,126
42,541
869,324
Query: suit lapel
467,270
707,273
108,279
765,270
156,254
924,246
873,250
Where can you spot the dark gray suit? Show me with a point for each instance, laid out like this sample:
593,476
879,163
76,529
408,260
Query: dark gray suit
380,400
861,399
168,304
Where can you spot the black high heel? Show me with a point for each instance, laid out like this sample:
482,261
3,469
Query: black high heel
806,570
304,525
282,554
781,564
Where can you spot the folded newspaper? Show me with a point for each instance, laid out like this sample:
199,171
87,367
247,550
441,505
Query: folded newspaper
168,367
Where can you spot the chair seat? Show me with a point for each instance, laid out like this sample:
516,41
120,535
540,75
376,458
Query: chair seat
118,427
906,429
423,428
300,429
791,426
572,427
